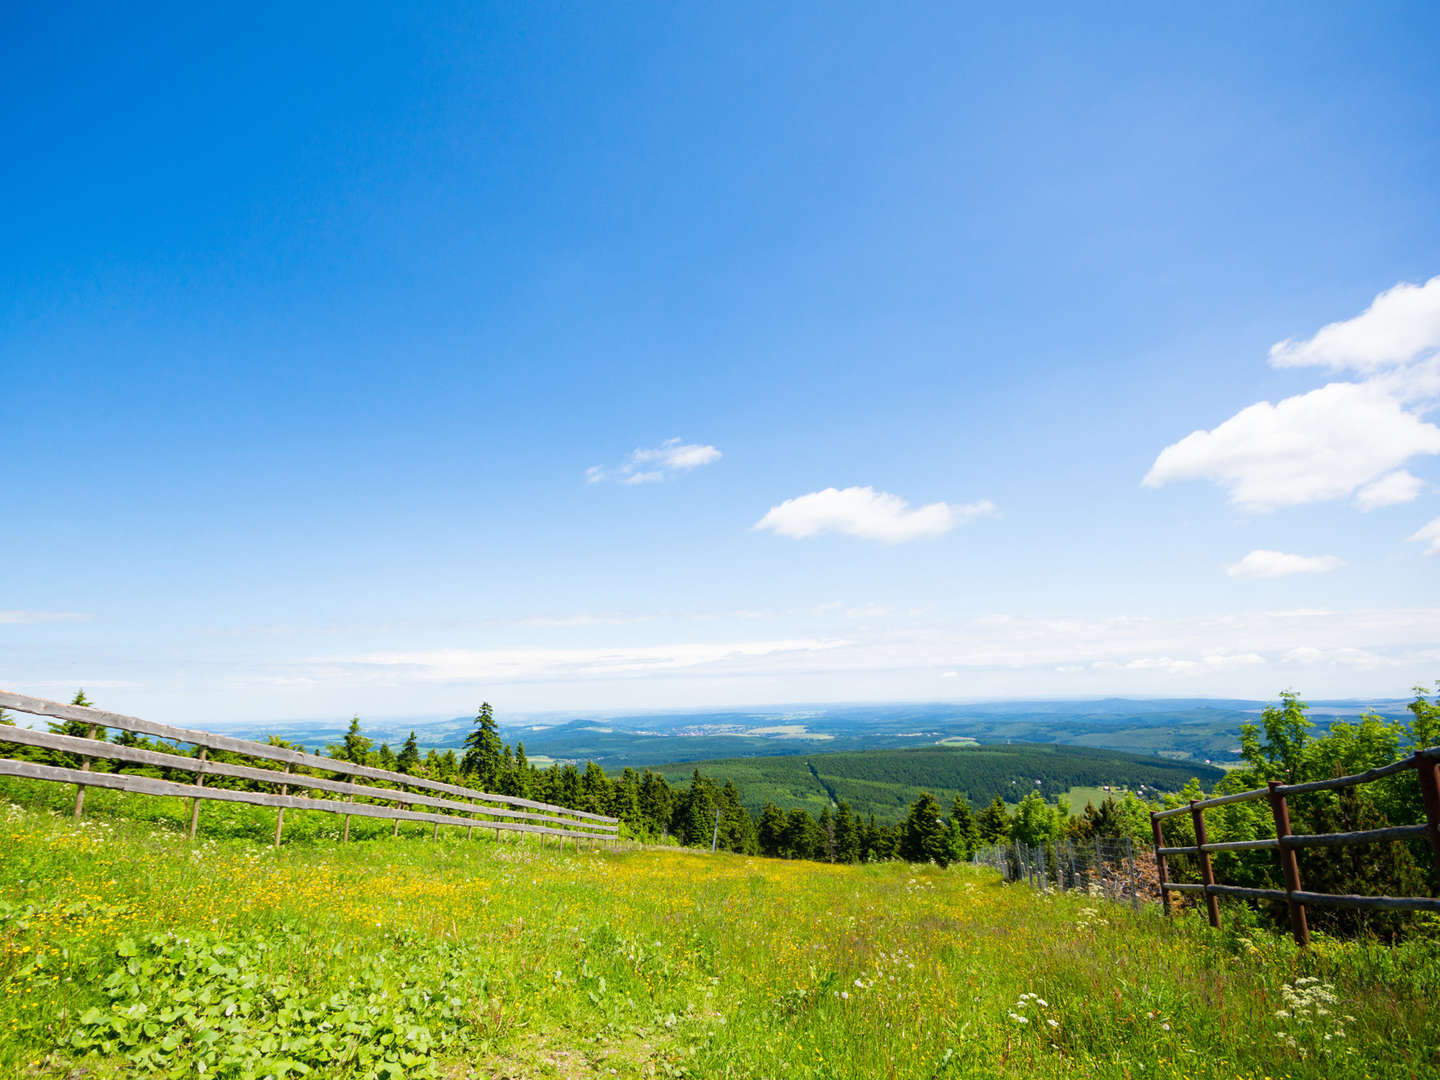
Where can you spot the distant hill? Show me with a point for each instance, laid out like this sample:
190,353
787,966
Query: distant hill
1192,729
887,782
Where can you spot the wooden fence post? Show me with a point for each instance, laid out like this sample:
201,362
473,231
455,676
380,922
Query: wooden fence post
195,802
1429,775
346,838
80,788
1159,835
1207,870
1288,864
280,813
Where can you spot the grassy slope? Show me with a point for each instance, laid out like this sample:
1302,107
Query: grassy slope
887,782
503,959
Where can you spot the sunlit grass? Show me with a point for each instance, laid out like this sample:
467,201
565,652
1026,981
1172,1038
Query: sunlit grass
506,959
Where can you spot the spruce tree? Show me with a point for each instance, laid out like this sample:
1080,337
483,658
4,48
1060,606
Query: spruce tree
772,831
409,757
993,824
847,834
482,750
962,829
924,837
355,747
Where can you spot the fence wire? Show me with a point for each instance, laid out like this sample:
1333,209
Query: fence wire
1104,869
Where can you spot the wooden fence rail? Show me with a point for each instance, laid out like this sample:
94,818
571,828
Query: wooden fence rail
503,813
1287,843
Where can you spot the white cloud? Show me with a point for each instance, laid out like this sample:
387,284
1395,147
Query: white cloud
467,665
1320,445
1429,534
1390,490
1400,325
28,618
1342,439
653,464
868,514
1261,563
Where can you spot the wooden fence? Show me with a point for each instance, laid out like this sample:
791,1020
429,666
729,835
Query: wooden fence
1287,843
503,813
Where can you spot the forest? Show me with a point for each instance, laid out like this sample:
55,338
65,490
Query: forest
950,800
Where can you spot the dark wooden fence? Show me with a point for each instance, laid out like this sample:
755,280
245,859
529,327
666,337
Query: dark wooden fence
464,807
1287,843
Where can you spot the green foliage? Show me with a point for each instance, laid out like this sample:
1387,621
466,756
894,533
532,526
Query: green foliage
355,747
409,757
482,750
925,837
887,782
181,1007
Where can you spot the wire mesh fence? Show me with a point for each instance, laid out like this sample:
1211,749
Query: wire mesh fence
1105,869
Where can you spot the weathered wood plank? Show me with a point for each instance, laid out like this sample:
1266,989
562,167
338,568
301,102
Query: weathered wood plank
1369,836
203,767
145,785
1393,903
101,718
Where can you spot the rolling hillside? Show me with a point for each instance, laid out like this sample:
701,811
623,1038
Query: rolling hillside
886,782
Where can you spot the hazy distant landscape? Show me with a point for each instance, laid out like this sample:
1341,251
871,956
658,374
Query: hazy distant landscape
1185,729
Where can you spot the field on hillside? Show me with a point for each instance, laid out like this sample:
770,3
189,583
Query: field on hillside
887,782
123,946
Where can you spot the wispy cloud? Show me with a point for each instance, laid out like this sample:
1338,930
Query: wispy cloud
1262,563
868,514
507,665
652,465
26,618
1343,439
1430,536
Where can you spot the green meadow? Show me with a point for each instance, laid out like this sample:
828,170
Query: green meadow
127,951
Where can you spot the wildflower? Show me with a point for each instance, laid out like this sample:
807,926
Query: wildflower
1019,1019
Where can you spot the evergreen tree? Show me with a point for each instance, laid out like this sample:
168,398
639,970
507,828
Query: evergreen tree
355,747
962,829
924,837
448,768
522,771
482,750
657,802
801,836
772,831
847,835
825,829
993,824
385,757
77,728
408,759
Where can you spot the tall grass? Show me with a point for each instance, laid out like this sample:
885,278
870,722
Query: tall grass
123,947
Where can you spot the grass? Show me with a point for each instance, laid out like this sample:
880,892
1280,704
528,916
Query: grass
123,947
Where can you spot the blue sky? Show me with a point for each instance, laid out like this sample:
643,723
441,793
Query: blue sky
330,340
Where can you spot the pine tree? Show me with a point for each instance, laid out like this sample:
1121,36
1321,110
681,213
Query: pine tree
522,771
801,836
77,728
355,747
825,827
993,824
386,757
408,759
847,834
924,837
772,830
962,829
482,750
